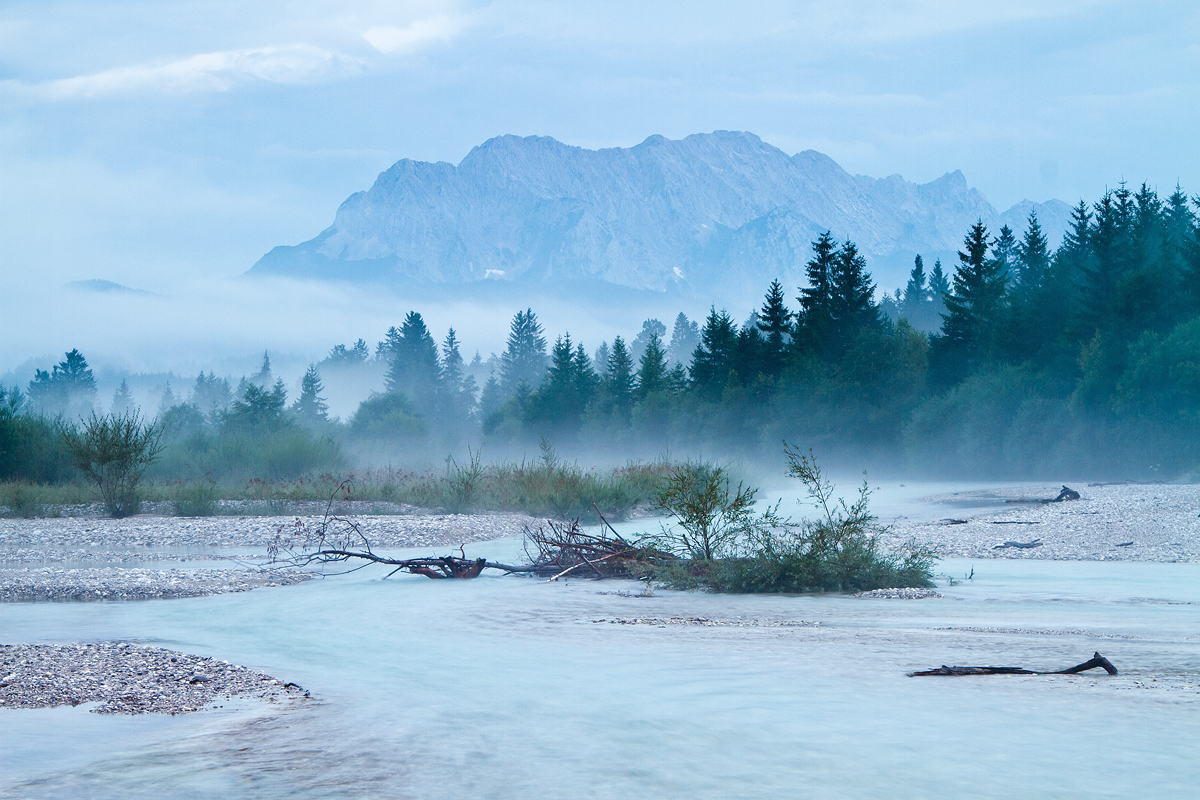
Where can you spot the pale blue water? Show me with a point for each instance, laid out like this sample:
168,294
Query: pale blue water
506,688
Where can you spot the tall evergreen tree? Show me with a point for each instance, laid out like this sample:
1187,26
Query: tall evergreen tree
939,288
915,300
1004,252
524,359
122,402
413,368
263,377
652,370
310,407
490,400
458,386
852,294
1032,257
714,357
816,299
975,307
651,327
775,323
684,338
618,380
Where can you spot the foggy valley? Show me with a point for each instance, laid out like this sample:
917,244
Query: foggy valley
617,400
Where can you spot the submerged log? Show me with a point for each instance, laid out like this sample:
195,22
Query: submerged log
1097,661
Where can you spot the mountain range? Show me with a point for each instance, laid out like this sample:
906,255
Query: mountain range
709,213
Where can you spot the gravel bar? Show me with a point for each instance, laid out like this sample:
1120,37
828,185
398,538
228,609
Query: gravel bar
1111,522
127,679
428,530
58,555
899,594
117,583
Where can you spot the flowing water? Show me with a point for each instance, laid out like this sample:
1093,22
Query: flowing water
507,687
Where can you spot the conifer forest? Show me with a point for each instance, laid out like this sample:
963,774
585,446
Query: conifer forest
1018,360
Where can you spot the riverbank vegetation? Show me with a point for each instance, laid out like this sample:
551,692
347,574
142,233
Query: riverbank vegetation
715,538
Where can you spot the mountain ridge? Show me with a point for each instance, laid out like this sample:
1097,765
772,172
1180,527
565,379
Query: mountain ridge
709,212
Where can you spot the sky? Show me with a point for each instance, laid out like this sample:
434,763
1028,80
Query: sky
167,146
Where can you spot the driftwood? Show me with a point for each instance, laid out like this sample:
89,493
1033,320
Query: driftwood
1019,545
555,550
1097,661
1067,493
558,549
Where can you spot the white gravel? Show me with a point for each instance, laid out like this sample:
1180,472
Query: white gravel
118,583
899,594
430,530
1115,522
124,678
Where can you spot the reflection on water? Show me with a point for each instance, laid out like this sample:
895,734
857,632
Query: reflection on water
511,688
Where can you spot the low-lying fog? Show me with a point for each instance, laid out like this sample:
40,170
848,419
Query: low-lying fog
224,325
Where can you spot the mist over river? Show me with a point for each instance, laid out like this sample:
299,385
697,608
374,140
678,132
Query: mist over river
506,687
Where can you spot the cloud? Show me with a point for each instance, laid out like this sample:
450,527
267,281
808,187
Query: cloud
207,72
414,36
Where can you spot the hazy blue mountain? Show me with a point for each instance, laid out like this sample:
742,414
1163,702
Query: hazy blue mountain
723,211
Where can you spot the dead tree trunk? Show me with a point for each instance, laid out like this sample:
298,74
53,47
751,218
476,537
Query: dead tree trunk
1097,661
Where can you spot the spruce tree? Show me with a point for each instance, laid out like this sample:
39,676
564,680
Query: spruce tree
851,295
524,358
618,380
651,327
458,386
1004,252
939,287
1032,257
975,306
122,402
310,408
714,357
490,400
652,370
684,338
413,368
915,300
600,360
815,316
775,323
263,377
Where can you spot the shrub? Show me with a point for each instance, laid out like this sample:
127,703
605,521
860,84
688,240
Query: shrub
712,519
839,551
114,450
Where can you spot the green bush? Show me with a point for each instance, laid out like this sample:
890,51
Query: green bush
838,552
114,450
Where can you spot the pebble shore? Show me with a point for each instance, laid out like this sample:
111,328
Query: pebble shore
119,583
1110,522
125,678
202,533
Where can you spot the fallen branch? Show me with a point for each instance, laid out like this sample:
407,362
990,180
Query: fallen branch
1067,493
1097,661
1020,545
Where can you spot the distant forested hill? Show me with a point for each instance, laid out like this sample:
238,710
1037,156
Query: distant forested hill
711,212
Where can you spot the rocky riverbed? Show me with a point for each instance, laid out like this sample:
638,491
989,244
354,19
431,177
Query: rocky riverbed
148,532
1109,522
103,554
124,678
120,583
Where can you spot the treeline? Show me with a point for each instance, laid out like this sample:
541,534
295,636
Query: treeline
1022,360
